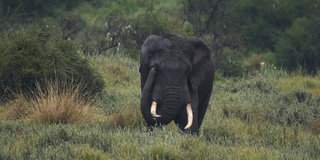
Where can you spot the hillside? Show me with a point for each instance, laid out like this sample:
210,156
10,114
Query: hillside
268,116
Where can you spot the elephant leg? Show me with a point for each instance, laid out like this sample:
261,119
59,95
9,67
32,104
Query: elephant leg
203,106
204,98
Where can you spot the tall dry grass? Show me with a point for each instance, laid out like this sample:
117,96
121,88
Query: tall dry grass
53,104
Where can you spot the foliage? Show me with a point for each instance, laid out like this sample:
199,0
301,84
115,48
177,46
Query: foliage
287,28
229,63
298,46
117,29
36,53
148,24
244,27
37,7
258,21
71,25
211,21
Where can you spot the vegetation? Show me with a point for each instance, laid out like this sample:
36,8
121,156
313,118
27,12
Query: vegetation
33,55
285,31
257,113
70,85
53,104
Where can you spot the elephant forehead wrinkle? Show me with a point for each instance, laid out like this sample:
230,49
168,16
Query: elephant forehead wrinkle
176,63
176,89
173,77
177,53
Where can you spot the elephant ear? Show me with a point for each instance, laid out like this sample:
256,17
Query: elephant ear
201,63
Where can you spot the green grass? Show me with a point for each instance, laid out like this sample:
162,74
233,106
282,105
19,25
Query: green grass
255,117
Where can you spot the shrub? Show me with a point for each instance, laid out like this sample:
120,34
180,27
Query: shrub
36,53
229,63
261,99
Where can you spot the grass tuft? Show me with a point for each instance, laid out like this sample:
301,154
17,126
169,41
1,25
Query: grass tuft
15,110
58,103
53,104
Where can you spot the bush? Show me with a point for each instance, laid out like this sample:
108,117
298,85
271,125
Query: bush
36,53
229,63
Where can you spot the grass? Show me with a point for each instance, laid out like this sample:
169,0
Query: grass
52,104
308,84
255,117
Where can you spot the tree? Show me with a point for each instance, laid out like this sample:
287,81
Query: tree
211,21
286,27
299,46
38,7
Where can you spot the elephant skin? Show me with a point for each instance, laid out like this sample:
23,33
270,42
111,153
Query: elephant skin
176,73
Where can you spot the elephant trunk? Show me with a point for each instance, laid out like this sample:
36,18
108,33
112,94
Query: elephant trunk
169,107
145,101
173,99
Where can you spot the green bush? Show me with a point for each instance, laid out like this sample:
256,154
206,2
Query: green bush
229,63
35,54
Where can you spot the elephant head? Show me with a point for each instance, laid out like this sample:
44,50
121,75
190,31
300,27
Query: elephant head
176,81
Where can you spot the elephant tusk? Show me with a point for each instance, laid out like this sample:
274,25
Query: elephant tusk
154,109
190,116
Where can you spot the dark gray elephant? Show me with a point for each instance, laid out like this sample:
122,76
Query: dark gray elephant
176,81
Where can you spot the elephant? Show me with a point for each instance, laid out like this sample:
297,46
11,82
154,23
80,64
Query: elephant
177,76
